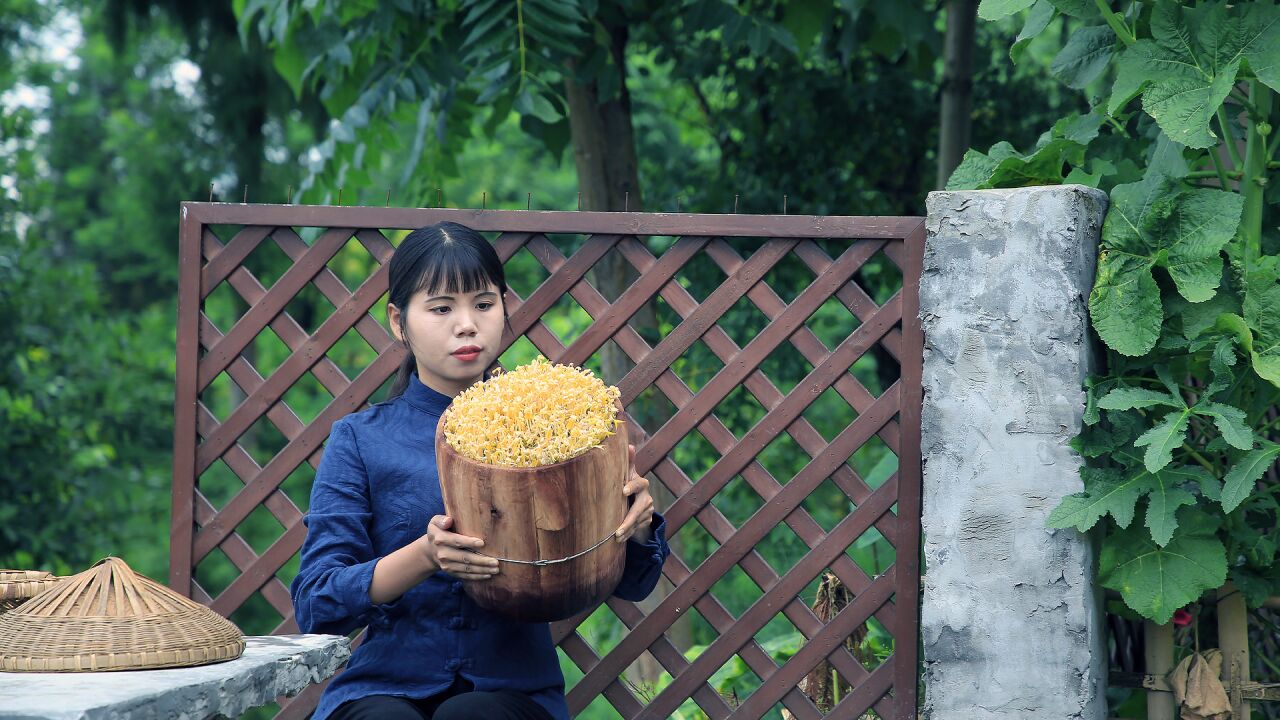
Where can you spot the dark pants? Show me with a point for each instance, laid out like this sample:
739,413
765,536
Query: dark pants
459,702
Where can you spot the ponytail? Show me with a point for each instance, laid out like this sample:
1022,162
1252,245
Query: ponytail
408,366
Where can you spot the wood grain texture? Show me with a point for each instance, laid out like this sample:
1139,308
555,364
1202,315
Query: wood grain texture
541,513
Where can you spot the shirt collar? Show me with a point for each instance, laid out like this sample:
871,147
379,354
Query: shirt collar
423,397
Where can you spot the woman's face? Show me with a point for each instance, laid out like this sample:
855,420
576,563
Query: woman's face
454,336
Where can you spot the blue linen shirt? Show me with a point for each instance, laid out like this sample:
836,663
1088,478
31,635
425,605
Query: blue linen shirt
375,491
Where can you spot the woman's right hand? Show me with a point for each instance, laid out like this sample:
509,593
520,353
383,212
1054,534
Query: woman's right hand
454,553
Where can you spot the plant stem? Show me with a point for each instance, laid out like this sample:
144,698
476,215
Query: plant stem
1241,98
1197,174
520,33
1217,170
1227,137
1253,181
1200,459
1116,22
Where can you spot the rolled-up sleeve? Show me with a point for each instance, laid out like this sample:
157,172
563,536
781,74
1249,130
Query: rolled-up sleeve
331,591
644,562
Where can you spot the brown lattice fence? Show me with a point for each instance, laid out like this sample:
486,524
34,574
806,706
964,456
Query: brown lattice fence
264,369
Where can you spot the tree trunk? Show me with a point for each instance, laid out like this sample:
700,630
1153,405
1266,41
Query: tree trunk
957,87
604,152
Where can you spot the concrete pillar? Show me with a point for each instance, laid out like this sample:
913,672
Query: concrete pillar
1010,617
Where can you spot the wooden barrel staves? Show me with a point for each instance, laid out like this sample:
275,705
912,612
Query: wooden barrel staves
563,515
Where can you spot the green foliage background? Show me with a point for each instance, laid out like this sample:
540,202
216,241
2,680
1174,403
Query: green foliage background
1182,421
104,132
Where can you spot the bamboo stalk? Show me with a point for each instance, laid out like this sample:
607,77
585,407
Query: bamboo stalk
1158,640
1233,638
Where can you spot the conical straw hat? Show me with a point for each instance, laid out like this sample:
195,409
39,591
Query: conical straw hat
18,586
111,618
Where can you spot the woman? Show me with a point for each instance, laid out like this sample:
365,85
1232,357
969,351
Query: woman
430,652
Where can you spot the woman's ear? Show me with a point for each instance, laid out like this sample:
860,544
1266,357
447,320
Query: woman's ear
393,319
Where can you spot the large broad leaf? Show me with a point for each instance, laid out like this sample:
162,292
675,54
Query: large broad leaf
1238,485
1257,37
996,9
1042,13
1077,8
1003,166
1201,224
1154,580
1152,223
1186,70
1125,303
1085,55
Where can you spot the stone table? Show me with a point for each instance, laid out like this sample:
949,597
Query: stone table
271,666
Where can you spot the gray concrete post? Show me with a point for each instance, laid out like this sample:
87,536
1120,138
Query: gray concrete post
1010,617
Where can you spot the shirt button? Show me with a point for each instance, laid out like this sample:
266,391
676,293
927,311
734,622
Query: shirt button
453,664
455,623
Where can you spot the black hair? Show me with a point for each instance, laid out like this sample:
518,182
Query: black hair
446,257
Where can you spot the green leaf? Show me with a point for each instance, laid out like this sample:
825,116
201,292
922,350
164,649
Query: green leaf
1262,316
1258,39
1209,485
1125,303
1042,167
1238,484
1196,318
804,20
1200,225
1129,398
1106,491
1156,222
1092,388
1100,169
1161,440
972,173
1084,57
996,9
1003,166
1042,13
1220,363
531,102
1163,502
290,62
1076,8
1183,79
1155,581
1117,492
1231,423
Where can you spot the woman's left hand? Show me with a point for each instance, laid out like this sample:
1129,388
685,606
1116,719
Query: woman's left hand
640,515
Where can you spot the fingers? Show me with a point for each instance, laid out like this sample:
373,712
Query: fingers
635,484
466,565
440,536
639,513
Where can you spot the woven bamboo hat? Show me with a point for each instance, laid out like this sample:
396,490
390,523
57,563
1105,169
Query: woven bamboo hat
19,586
111,618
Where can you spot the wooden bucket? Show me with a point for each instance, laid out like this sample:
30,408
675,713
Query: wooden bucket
546,513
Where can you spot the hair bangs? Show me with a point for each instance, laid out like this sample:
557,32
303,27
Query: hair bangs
455,272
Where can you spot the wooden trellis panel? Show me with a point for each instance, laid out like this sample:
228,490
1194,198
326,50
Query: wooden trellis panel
207,353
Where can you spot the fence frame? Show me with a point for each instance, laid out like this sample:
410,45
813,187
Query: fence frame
903,241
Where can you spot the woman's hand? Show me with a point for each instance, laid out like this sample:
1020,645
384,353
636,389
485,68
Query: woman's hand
453,553
641,513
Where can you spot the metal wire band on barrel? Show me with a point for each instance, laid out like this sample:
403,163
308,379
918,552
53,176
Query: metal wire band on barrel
540,563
